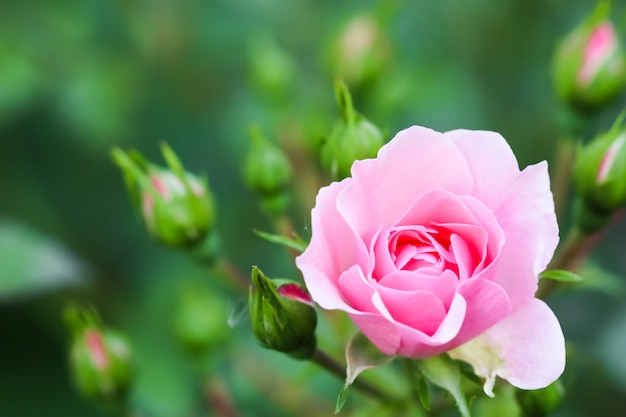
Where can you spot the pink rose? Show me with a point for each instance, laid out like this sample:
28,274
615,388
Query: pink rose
438,240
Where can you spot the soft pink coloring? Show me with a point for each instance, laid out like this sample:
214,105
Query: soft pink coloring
294,292
600,45
437,241
609,158
97,352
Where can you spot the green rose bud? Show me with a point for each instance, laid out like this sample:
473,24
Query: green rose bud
100,359
600,176
282,316
176,206
267,172
589,66
272,69
200,321
353,137
361,50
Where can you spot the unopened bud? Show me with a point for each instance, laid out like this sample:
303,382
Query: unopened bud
272,68
600,174
589,66
176,206
282,316
267,170
201,319
352,138
361,50
100,359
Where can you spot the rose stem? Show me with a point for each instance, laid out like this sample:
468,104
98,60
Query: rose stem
234,277
324,360
563,159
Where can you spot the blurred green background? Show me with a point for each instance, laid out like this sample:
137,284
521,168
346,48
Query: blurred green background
79,77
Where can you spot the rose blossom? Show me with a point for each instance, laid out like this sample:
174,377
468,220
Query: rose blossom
438,240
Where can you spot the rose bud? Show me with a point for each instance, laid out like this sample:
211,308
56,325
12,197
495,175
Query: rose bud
267,172
272,69
201,319
361,50
352,138
282,316
600,177
100,362
176,206
589,66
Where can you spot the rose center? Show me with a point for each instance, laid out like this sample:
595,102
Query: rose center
422,248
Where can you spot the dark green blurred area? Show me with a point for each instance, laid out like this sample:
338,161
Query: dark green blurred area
77,78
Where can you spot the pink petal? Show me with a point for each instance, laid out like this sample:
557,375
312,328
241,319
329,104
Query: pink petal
413,163
601,44
379,330
356,291
419,310
527,217
333,249
531,345
442,285
490,160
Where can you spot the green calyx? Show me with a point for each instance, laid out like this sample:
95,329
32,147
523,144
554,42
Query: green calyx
267,171
278,322
177,207
600,171
353,137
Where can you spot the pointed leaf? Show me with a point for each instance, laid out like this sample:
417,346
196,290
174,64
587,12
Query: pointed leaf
361,355
291,242
445,373
423,393
31,263
560,275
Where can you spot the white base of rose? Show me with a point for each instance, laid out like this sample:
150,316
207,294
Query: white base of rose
527,349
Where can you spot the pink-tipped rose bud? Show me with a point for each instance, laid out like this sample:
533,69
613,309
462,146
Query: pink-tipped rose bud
100,359
176,206
361,51
589,66
600,176
282,316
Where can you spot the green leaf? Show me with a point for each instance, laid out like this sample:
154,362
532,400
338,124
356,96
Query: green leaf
31,263
361,355
291,242
560,275
341,398
423,393
445,373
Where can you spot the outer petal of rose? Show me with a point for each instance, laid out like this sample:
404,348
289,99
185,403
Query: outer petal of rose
531,232
527,349
491,161
333,249
477,305
414,162
379,330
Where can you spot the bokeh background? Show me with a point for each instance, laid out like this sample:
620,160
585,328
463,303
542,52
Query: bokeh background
80,77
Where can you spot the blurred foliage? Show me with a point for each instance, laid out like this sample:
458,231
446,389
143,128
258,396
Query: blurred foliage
79,77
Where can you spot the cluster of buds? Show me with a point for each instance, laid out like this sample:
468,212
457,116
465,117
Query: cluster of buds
100,359
282,316
267,172
352,138
589,66
600,177
176,206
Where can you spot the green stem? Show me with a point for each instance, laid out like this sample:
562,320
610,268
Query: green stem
562,172
327,362
233,276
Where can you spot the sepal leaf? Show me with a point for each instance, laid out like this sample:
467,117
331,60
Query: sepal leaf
361,355
445,373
